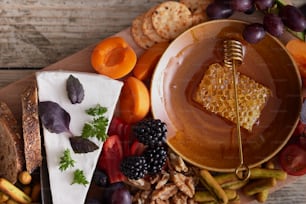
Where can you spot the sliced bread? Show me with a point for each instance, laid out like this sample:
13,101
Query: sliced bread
31,130
11,152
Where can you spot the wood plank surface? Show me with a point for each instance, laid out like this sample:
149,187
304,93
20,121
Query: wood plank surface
35,34
293,192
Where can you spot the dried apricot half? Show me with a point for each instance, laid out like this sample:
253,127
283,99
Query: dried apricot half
134,101
113,57
148,60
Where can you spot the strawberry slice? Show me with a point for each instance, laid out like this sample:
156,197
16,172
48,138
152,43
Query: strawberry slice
126,139
116,126
137,148
123,130
110,159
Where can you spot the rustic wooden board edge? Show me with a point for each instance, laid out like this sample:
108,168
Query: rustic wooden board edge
80,61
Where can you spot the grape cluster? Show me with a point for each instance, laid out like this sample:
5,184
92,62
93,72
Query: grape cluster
277,16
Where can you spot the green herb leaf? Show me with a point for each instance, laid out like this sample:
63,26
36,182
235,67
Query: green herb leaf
66,160
79,178
98,110
97,127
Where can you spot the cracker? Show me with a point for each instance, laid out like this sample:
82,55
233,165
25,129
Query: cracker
196,6
139,37
147,27
171,18
198,18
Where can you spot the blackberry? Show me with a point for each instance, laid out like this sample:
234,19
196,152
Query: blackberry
156,158
151,132
134,167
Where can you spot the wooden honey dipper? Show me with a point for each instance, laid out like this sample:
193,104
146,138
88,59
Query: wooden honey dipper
233,57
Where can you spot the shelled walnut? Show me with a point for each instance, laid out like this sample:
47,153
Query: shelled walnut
175,184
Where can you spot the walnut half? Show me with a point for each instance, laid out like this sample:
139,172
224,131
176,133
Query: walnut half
184,183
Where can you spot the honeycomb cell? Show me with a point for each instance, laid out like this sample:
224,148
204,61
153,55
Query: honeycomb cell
215,93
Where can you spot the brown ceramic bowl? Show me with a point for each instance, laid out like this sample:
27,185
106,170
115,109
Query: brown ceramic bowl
205,139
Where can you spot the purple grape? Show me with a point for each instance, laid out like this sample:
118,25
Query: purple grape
303,9
251,10
293,18
109,191
121,196
241,5
254,32
92,201
100,178
263,4
218,10
273,24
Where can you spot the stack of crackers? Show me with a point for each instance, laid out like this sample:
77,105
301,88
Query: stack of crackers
165,21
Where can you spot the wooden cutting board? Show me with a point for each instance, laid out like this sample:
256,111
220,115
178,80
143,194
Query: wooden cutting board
80,61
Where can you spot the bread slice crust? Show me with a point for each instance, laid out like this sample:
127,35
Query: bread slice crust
12,153
31,130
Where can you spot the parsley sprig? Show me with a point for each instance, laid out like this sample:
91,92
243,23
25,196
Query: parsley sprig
79,178
66,161
96,127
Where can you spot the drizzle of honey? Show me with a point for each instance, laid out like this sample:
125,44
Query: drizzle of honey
214,134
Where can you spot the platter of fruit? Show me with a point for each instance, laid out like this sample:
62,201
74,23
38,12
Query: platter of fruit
106,132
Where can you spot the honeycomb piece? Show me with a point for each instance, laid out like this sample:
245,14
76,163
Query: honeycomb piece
216,94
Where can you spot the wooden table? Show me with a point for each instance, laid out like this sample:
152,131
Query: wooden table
35,34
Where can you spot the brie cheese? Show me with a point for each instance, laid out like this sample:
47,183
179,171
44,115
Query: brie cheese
98,90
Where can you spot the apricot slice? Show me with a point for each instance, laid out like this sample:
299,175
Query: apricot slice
148,60
297,48
113,57
134,101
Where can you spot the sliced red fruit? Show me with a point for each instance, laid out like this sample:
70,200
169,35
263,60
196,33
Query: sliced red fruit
110,159
137,148
302,142
116,126
126,139
299,129
293,160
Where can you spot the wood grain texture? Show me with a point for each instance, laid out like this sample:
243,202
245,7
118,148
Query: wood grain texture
292,192
37,33
11,75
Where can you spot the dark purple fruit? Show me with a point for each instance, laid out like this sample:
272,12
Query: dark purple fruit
109,190
100,178
293,18
219,10
273,24
241,5
251,10
303,9
254,32
92,201
121,196
264,4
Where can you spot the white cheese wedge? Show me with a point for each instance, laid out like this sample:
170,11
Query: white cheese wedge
98,90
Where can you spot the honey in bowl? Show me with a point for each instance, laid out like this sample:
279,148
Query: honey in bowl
204,138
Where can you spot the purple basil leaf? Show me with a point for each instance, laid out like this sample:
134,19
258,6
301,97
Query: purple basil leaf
82,145
303,113
75,90
54,117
